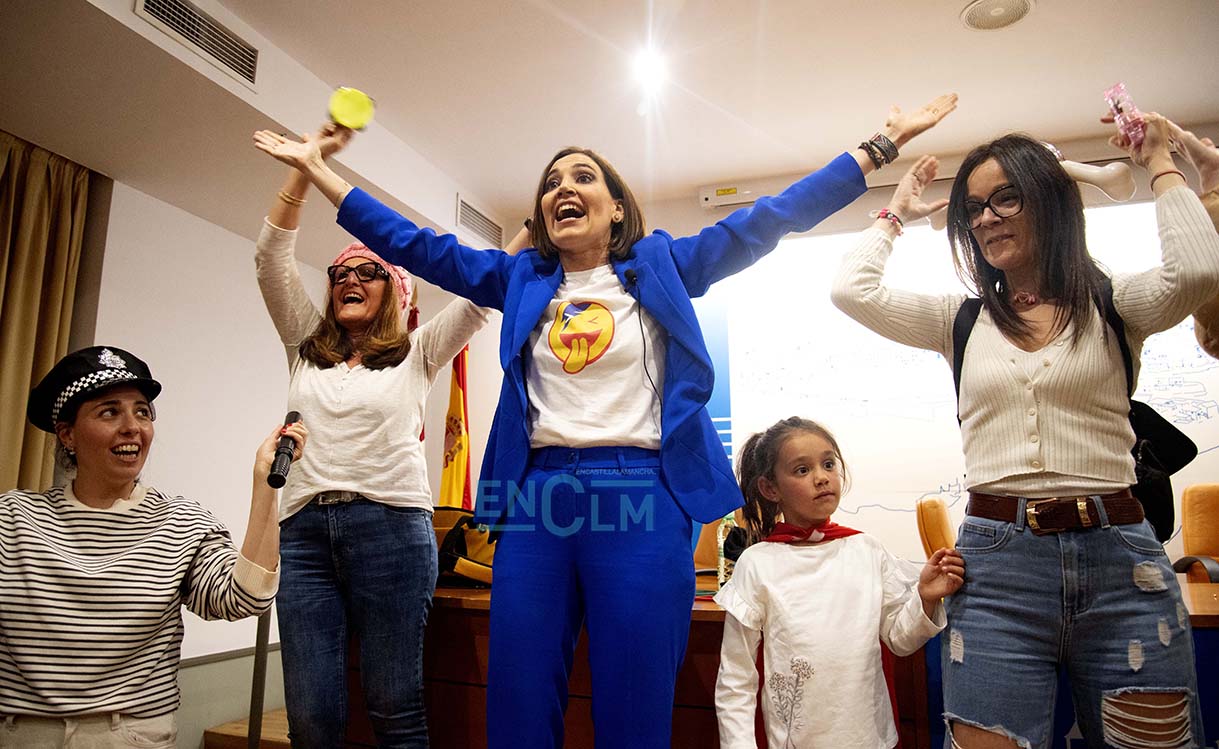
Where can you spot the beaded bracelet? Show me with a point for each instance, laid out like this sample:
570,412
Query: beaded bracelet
892,218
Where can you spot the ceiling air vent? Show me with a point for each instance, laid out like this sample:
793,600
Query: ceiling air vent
992,15
204,34
469,217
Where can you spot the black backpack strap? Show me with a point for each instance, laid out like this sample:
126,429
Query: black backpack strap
1119,327
962,326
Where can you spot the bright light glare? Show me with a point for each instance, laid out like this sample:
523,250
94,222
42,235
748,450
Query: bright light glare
650,71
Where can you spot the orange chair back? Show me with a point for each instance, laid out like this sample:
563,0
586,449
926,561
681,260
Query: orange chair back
1200,525
934,526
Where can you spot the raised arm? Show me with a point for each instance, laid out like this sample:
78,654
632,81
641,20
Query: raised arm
742,238
292,310
920,320
1161,297
446,334
478,275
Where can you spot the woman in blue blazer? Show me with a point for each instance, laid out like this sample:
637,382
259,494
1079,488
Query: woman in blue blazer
601,453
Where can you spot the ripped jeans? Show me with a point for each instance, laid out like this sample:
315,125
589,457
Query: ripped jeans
1102,603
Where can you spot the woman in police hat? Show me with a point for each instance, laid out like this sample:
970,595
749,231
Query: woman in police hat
94,573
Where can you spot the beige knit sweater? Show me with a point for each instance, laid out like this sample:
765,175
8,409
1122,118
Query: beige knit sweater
1036,424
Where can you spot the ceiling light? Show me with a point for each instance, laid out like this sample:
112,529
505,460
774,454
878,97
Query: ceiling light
650,70
991,15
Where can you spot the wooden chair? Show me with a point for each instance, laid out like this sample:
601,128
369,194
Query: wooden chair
1200,533
934,526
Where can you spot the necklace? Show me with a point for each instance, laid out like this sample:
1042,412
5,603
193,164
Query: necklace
1024,297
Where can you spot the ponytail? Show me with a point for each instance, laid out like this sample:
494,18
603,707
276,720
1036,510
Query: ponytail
757,460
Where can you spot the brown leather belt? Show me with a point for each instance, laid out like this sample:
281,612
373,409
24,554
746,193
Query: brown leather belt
1056,514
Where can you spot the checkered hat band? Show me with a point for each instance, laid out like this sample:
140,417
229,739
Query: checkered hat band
89,382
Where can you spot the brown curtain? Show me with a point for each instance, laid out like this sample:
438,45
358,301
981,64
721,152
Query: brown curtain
42,217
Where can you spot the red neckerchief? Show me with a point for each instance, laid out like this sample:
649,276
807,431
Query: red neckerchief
786,533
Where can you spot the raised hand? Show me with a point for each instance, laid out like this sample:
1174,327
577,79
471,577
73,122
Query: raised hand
294,153
1200,152
907,201
943,575
1155,142
331,138
905,125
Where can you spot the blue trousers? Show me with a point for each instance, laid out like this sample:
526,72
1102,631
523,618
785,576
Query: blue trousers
592,538
368,569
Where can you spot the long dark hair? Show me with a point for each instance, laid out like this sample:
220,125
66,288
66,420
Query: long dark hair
385,344
623,235
757,461
1066,272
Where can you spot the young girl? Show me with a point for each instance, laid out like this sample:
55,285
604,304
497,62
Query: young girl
824,596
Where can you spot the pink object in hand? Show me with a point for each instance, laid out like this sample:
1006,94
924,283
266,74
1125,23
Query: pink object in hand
1126,115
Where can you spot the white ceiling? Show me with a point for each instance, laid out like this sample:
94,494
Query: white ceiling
487,90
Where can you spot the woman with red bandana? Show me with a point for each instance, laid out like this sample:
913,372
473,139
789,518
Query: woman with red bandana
602,452
359,552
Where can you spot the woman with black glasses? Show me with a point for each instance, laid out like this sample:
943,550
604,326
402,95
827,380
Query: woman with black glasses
358,550
1064,571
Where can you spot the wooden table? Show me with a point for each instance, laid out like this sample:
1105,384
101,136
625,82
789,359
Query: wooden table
1202,601
455,672
455,676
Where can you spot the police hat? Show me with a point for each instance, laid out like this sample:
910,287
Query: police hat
81,375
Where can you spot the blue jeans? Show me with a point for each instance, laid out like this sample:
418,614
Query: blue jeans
1103,604
603,544
369,570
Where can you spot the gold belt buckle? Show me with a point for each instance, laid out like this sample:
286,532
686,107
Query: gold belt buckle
1081,505
1030,511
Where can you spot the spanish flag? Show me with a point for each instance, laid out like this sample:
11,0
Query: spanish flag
455,477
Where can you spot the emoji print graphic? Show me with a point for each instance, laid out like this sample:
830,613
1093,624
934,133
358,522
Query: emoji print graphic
580,334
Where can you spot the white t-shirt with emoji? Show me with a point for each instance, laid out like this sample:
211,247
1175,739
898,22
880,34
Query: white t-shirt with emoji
586,376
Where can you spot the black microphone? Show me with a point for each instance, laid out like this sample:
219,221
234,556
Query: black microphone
631,278
278,475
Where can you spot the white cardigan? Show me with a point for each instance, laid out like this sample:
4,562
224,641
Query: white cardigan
1033,424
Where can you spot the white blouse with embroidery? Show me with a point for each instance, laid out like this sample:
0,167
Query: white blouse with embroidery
820,612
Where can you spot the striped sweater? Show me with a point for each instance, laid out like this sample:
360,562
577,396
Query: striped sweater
1036,423
91,600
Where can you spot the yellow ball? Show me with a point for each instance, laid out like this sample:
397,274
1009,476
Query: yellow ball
351,107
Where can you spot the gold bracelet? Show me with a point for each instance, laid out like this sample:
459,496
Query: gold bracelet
291,199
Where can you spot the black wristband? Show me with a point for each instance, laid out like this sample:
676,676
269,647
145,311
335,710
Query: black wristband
873,153
887,148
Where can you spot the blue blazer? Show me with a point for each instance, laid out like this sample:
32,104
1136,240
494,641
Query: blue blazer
662,273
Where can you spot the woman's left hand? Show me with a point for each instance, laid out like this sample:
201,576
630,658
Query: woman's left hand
266,451
1156,139
943,575
902,126
907,201
297,154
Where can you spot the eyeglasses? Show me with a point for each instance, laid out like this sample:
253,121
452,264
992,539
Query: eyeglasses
1004,203
364,271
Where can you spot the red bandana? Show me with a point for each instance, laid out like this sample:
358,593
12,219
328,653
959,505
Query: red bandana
786,533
